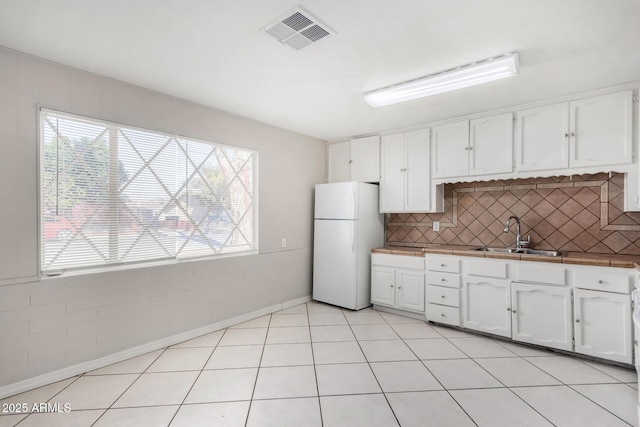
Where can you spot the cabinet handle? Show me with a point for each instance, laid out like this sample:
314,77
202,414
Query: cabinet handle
600,282
573,134
443,265
443,280
566,135
350,161
399,287
508,309
514,312
442,315
443,297
577,320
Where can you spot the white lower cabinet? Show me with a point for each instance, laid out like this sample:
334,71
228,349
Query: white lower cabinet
603,325
486,305
397,281
542,315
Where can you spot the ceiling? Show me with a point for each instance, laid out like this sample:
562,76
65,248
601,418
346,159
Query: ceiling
215,53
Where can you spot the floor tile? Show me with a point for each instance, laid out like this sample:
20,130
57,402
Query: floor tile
450,332
236,356
366,316
297,309
515,371
135,365
498,407
278,320
318,307
619,399
386,351
181,359
331,333
95,392
621,374
324,319
480,347
415,330
223,414
430,408
258,322
570,370
162,388
394,319
249,336
337,352
284,382
134,417
288,335
565,407
525,350
404,376
461,373
287,355
374,332
38,395
208,340
352,378
69,419
223,385
285,413
363,410
435,348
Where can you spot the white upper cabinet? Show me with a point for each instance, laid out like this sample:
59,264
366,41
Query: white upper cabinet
601,130
355,160
481,146
491,145
540,138
450,149
405,185
590,132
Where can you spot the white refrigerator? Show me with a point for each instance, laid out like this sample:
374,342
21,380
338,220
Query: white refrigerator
347,225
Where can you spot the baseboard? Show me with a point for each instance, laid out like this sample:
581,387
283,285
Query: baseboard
81,368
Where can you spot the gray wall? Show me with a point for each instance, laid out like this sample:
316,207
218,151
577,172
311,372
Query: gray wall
51,323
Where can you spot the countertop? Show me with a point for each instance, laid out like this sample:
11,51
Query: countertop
583,258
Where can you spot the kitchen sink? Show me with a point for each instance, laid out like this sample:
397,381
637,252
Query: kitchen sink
526,251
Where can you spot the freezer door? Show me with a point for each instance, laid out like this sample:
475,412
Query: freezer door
336,200
334,263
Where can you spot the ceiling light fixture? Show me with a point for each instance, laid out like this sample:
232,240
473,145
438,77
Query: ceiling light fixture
468,75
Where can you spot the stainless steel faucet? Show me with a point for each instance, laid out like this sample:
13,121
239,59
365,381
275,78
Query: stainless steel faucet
519,242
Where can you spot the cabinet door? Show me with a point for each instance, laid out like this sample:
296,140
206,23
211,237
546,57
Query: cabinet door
383,288
486,305
418,177
393,174
410,291
542,138
601,130
491,145
450,145
542,315
365,159
603,325
339,158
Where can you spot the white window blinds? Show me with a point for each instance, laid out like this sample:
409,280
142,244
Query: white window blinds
112,194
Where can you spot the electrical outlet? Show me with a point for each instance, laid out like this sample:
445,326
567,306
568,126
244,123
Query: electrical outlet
284,242
436,225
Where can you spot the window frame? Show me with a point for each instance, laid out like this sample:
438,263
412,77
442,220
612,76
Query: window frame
124,265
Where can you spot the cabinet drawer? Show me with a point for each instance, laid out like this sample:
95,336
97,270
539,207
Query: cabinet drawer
495,269
443,314
603,280
398,261
450,280
449,265
444,296
533,273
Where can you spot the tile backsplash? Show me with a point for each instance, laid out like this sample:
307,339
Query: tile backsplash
572,213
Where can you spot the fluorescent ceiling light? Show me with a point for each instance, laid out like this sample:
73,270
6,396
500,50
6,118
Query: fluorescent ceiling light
458,78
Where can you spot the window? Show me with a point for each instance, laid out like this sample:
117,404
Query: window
112,194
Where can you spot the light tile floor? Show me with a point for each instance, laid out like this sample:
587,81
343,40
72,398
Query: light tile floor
318,365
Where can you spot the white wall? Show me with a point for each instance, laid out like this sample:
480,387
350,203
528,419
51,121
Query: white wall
49,324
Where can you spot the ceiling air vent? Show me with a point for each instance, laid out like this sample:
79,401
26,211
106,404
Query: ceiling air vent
298,29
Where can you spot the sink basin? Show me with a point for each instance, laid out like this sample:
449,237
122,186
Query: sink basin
526,251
